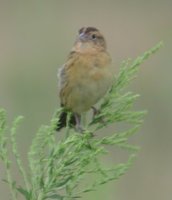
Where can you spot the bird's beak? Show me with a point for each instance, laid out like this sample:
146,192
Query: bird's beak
82,37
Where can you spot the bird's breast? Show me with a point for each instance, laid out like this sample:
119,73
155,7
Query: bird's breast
89,78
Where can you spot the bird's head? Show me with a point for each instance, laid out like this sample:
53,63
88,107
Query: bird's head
89,39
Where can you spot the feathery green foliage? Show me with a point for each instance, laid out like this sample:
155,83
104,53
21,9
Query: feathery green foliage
59,168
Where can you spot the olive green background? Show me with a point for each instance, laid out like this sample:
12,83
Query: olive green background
35,38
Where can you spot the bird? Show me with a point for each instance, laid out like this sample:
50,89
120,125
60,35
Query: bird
85,77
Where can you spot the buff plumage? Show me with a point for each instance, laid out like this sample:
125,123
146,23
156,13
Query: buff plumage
86,76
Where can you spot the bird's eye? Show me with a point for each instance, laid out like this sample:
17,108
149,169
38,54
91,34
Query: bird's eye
93,36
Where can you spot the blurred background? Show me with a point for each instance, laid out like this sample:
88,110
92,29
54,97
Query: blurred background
35,38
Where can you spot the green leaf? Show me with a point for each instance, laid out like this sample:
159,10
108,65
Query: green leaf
25,193
55,196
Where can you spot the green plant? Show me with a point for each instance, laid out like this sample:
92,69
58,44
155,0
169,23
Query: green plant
57,168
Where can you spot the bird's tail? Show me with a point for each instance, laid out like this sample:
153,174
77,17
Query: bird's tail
63,120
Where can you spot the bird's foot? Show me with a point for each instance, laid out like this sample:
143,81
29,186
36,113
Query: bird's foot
97,112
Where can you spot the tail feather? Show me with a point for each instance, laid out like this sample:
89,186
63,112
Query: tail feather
63,121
